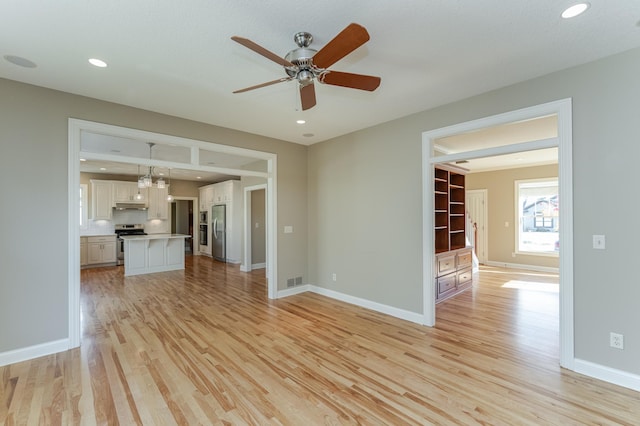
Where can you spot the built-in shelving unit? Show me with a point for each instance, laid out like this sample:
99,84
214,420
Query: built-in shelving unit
453,257
449,210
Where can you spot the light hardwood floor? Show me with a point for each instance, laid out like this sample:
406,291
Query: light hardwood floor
205,346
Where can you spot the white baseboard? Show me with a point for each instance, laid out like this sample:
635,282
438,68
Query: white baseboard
292,291
244,268
31,352
526,267
608,374
364,303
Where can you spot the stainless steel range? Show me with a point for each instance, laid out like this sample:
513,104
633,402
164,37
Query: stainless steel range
136,229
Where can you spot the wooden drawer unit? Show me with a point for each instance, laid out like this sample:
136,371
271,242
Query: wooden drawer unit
464,259
454,272
464,276
446,283
446,264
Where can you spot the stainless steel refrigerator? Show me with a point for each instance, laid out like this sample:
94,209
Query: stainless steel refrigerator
219,232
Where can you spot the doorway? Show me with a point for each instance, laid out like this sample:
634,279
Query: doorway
255,235
477,206
563,143
183,218
194,154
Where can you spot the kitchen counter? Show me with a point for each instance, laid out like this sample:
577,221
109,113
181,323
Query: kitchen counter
153,236
146,254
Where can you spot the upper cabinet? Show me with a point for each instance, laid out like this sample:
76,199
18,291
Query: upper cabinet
217,193
125,192
158,204
206,197
101,199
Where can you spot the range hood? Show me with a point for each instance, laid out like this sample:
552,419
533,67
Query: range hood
130,206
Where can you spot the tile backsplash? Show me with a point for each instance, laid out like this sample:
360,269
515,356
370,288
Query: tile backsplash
106,227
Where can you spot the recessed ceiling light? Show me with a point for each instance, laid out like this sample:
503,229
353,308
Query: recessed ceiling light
83,159
103,169
575,10
161,174
300,121
21,62
308,135
198,177
98,63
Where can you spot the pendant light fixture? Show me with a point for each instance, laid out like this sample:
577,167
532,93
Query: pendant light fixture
139,196
169,196
146,181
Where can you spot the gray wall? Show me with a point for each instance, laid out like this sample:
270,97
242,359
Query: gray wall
33,175
365,218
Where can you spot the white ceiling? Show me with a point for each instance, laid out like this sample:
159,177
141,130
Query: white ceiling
176,57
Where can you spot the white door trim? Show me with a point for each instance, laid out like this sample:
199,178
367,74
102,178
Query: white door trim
76,127
485,225
194,218
562,108
247,262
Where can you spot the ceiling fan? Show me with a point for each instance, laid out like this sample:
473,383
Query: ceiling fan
306,65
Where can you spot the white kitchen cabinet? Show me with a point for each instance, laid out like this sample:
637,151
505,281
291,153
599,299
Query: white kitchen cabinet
101,199
224,191
158,204
84,254
125,192
206,197
101,249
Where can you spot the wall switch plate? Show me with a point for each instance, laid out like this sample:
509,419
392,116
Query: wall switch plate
288,229
506,224
616,340
334,277
598,242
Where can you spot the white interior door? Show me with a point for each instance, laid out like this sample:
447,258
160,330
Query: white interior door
476,202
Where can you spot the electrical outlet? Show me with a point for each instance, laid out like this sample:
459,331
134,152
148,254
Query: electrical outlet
616,340
599,242
334,277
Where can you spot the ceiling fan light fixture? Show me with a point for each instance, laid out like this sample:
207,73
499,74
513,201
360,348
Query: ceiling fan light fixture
575,10
305,77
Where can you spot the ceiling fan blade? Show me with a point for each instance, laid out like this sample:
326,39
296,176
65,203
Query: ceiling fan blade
308,96
353,81
268,83
262,51
348,40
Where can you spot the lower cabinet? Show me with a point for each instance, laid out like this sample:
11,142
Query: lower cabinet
101,249
453,272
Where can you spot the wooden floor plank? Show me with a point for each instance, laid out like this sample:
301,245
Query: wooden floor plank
206,346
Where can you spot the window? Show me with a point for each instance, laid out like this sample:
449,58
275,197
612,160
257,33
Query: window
537,207
84,214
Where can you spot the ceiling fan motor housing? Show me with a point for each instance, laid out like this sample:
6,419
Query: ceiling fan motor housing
304,70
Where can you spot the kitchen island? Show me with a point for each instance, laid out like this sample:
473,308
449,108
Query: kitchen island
145,254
